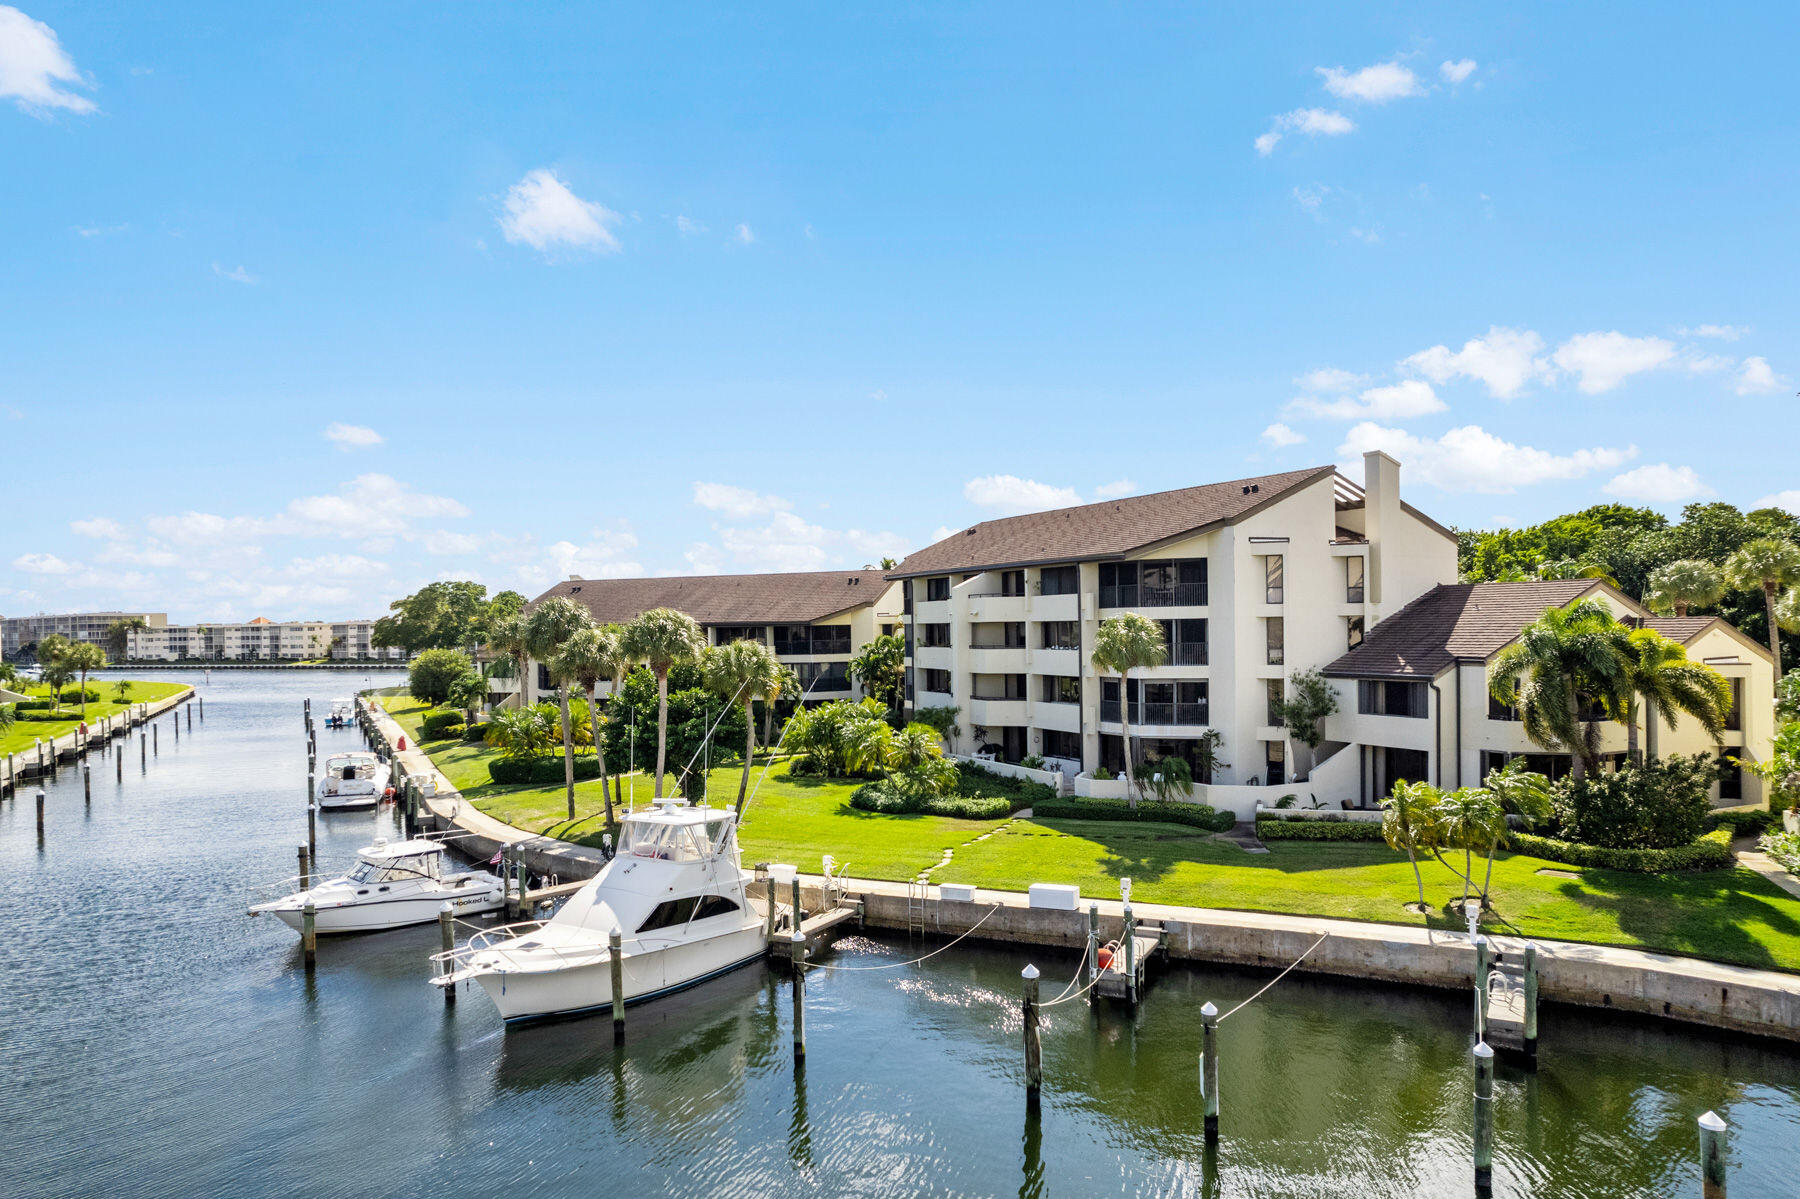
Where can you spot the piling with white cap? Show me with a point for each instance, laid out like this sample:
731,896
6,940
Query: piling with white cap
1209,1069
614,940
1034,1049
1712,1156
447,937
1484,1120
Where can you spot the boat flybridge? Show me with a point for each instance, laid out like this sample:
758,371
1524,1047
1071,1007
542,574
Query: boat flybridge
392,884
675,890
351,781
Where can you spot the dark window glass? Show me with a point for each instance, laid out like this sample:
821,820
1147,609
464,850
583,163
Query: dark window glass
934,635
714,905
1012,582
1500,711
1406,765
1277,763
1062,689
1118,584
1274,570
1731,778
1734,719
1058,744
906,596
1274,710
937,680
668,914
1354,635
543,678
1276,635
938,588
1059,580
1353,580
1061,634
1186,641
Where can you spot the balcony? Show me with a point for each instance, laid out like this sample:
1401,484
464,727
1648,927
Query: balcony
1157,714
1056,661
989,659
1182,595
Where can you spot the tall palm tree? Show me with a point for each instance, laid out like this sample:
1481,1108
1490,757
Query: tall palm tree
118,634
881,666
1566,659
1470,818
742,672
1768,564
1683,584
1409,823
787,686
1124,644
506,636
83,657
1519,790
1787,611
590,657
547,630
659,639
1661,680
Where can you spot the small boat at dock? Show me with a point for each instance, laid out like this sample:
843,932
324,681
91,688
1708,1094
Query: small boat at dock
352,781
393,884
342,714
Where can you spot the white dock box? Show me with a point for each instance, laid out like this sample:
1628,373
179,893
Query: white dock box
1058,896
957,892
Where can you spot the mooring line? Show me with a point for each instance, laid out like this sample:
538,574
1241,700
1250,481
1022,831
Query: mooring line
915,961
1276,979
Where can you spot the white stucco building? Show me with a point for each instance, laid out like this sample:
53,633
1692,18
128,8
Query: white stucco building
260,640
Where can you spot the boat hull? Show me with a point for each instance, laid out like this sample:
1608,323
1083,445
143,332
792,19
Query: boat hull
390,913
525,996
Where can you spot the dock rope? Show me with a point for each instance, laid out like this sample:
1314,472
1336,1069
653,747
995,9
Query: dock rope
915,961
1066,997
1234,1011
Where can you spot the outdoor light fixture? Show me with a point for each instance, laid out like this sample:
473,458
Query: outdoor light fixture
1472,913
1125,889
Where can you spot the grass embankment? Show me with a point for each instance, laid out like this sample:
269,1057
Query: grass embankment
1725,915
24,732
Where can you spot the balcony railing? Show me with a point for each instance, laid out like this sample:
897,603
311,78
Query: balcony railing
1010,644
1144,596
1155,713
977,695
1188,653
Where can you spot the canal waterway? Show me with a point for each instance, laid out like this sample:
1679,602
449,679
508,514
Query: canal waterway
156,1041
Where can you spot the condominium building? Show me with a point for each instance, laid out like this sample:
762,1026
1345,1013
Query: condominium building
17,632
259,640
1250,580
815,621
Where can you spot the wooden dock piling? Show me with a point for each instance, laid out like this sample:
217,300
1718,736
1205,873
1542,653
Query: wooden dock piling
1034,1049
798,948
309,933
1712,1156
1484,1120
118,764
312,832
1531,996
155,742
447,938
305,868
616,956
40,814
1481,987
1090,966
87,783
1209,1069
143,759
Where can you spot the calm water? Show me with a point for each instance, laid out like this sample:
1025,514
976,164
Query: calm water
156,1041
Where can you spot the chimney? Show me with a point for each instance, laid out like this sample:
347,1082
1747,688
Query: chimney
1381,517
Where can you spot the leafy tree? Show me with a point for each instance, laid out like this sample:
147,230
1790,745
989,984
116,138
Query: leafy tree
881,666
1564,666
592,656
84,657
1309,700
662,638
51,648
696,727
547,630
1409,824
118,634
432,673
522,732
1683,584
503,605
742,672
1766,564
468,692
1655,805
838,738
56,675
1124,644
941,719
1659,677
1787,697
443,615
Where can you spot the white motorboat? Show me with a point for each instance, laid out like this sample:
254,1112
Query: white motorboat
342,714
676,892
351,781
391,885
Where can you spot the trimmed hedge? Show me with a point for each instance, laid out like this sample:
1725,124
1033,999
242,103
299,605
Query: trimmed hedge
1318,830
1755,821
890,801
1154,810
979,780
476,732
433,726
544,771
1709,851
46,714
451,732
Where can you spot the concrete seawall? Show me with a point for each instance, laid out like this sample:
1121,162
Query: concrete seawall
1761,1002
69,746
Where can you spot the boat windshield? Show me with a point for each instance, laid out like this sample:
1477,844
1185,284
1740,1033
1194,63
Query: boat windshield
668,842
350,768
394,871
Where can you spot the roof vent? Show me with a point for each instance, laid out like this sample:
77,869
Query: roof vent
1255,487
574,590
854,581
1246,489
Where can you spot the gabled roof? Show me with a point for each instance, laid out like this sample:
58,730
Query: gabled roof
1111,529
1455,622
799,597
1680,628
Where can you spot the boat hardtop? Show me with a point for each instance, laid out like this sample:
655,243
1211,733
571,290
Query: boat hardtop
392,883
353,765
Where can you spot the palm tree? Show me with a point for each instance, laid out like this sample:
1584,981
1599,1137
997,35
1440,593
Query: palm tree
659,639
84,657
742,672
507,638
547,630
881,665
786,685
469,692
1409,823
914,746
520,732
1518,790
1684,584
1769,564
889,563
1660,678
589,657
1469,818
1124,644
1566,659
118,634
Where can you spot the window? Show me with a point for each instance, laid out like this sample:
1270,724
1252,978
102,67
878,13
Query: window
906,596
937,680
1500,711
887,630
544,682
934,636
1012,582
1186,640
1277,762
1734,719
831,639
1353,580
1154,584
1377,697
1275,694
1354,635
816,677
1118,584
1275,634
938,588
725,634
1731,778
1058,744
669,913
1405,765
1060,634
1272,578
1061,689
714,905
1109,699
1059,580
793,639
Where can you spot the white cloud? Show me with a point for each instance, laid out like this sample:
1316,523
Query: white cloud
1658,483
101,230
98,526
688,227
1605,360
1375,84
543,213
1314,122
206,529
1789,500
1330,378
340,566
352,437
1279,435
155,554
1310,198
1111,491
1755,377
1721,332
743,234
371,505
43,564
1012,495
442,541
1398,401
1505,360
1366,236
602,556
1456,72
237,274
1470,458
33,66
739,503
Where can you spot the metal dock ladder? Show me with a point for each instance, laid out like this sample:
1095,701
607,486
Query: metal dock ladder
918,892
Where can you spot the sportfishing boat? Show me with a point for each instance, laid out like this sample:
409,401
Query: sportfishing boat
391,885
351,781
342,714
675,890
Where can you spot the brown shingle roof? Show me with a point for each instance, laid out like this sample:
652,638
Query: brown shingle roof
794,597
1109,529
1454,622
1680,628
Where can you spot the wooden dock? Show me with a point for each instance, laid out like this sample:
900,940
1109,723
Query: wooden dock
1128,974
814,928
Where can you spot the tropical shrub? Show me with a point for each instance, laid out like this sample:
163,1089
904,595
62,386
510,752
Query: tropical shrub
452,732
1781,770
434,724
1661,804
434,672
1101,775
1168,778
1324,829
522,732
972,778
1784,848
631,716
543,771
1076,808
942,718
890,798
1033,762
1710,851
1752,821
476,732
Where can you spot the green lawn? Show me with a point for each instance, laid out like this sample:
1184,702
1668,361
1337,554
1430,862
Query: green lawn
1726,915
23,733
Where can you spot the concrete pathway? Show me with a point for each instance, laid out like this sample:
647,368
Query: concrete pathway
1768,867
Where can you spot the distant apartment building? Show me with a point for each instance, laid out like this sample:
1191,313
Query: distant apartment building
260,640
815,621
17,632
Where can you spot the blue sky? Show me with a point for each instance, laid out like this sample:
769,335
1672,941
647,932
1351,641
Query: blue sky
306,305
